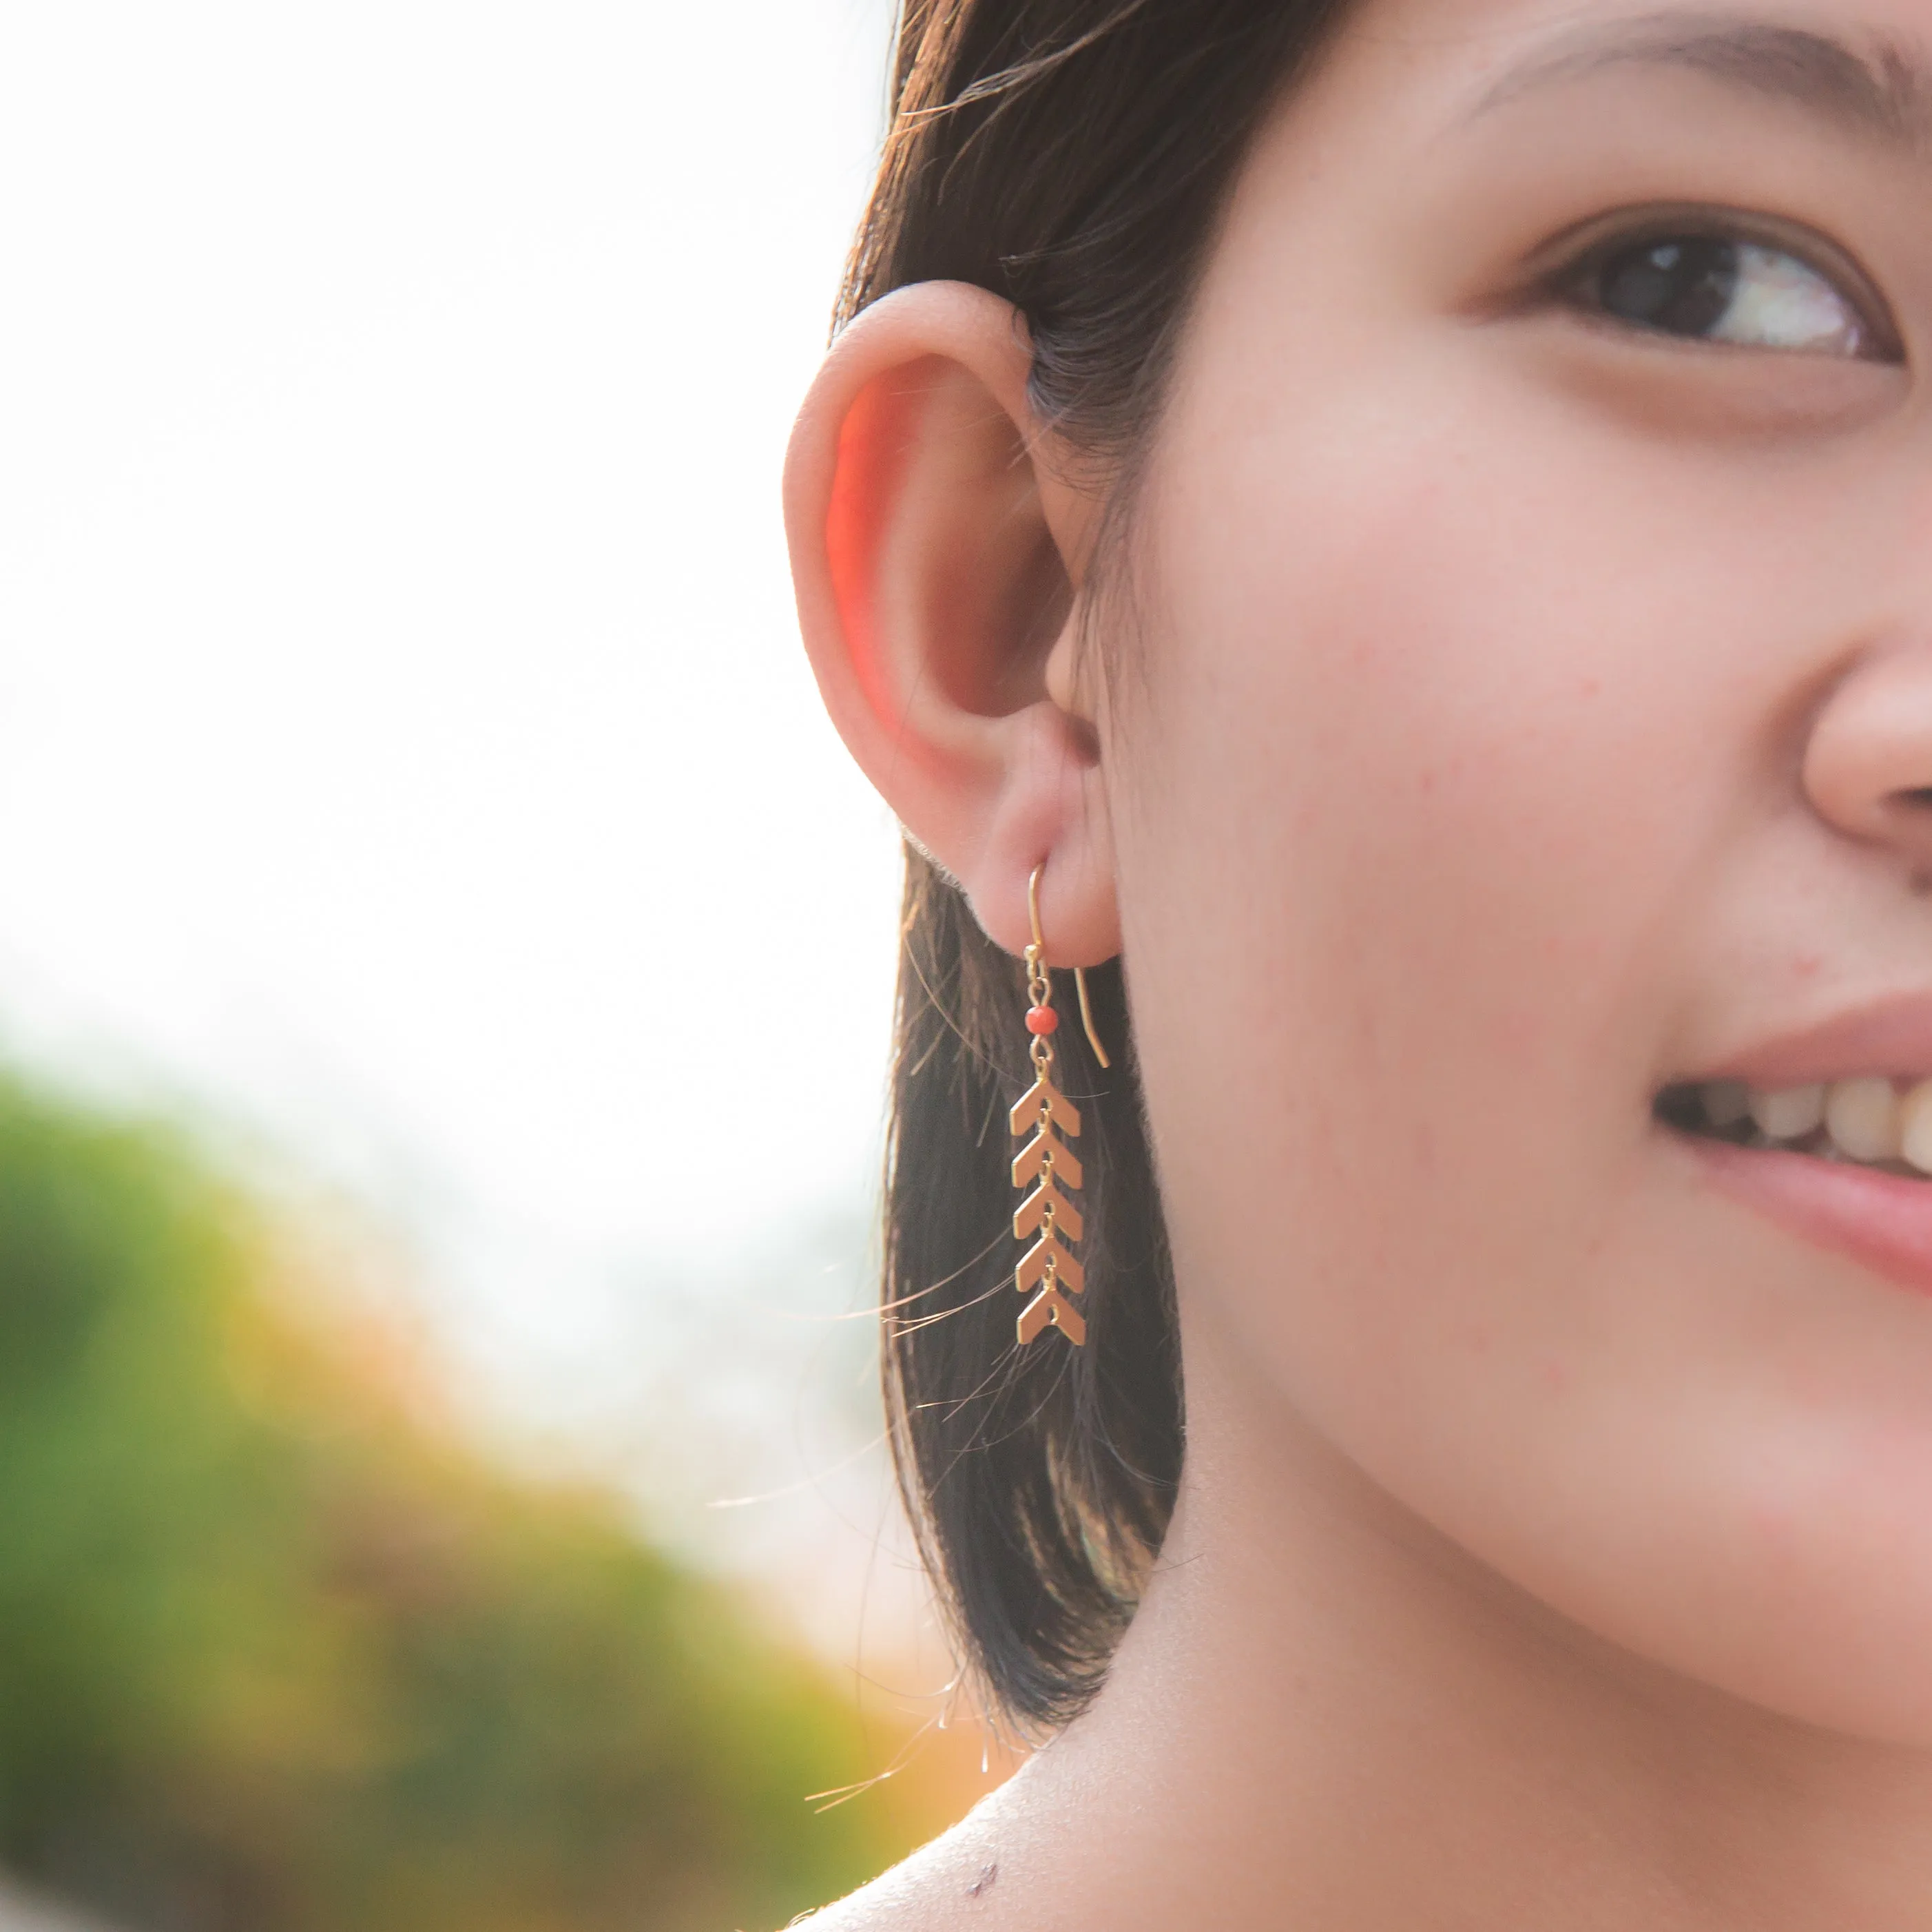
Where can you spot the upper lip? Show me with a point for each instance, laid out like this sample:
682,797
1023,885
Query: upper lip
1891,1037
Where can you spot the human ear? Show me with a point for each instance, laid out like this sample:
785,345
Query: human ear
937,549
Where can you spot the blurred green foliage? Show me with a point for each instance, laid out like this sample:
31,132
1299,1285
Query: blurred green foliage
277,1655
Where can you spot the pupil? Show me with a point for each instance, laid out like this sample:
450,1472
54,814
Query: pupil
1683,286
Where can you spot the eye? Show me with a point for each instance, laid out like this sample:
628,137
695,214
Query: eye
1722,288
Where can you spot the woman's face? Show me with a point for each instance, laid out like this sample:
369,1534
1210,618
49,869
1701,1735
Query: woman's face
1529,718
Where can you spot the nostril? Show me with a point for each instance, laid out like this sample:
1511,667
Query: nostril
1913,798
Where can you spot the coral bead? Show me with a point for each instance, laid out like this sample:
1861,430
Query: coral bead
1042,1019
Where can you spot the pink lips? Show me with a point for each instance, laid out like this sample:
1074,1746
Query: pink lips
1882,1221
1894,1037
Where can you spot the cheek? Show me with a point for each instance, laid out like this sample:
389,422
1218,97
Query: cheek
1455,720
1442,748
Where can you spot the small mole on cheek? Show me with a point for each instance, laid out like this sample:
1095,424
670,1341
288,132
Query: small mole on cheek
1807,965
985,1882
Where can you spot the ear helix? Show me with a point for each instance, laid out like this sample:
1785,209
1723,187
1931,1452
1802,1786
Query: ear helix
1048,1271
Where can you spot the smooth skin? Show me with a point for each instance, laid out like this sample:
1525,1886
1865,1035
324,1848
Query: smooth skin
1497,712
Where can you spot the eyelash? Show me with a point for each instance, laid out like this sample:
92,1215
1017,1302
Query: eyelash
1577,275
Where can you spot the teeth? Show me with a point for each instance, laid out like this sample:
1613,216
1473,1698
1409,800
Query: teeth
1915,1127
1793,1112
1868,1118
1863,1118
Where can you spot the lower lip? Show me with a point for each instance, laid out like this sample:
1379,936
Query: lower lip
1882,1221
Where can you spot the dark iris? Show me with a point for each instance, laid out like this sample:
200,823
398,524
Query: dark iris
1682,285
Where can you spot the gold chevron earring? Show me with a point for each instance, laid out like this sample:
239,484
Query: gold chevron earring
1046,1164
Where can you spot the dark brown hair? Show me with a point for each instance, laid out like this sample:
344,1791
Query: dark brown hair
1072,156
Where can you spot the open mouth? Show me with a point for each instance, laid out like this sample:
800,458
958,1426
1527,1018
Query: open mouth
1826,1133
1872,1120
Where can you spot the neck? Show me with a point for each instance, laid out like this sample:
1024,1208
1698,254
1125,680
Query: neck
1324,1714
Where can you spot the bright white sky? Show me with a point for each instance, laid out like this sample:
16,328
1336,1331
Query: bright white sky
404,744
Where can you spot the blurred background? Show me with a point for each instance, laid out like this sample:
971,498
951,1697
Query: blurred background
445,974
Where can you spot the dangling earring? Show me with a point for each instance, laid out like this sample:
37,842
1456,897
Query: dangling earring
1047,1165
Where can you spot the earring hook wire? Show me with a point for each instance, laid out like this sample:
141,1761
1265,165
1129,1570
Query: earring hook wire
1038,949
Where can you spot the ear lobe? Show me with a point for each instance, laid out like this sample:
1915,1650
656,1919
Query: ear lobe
936,558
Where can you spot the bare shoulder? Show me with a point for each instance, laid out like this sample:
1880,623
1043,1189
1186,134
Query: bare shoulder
955,1881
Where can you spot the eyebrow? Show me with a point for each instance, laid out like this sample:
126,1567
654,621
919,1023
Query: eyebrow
1885,93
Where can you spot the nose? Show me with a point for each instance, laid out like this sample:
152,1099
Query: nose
1868,767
